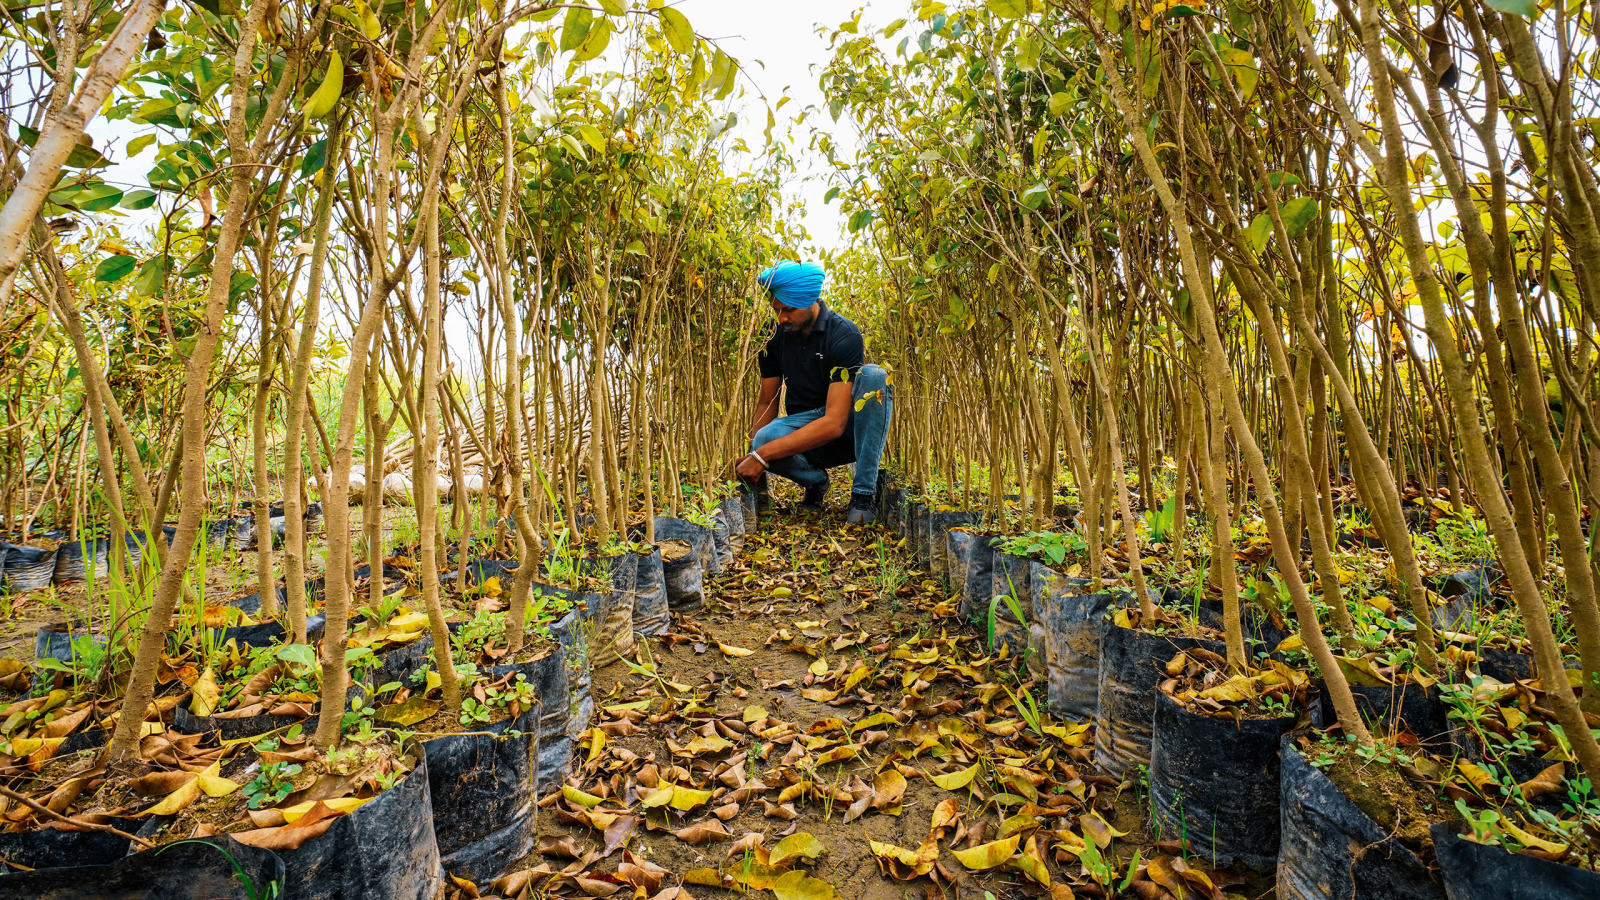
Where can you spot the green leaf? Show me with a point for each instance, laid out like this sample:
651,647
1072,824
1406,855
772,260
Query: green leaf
97,197
316,158
1528,8
1060,102
614,7
575,28
679,33
861,220
1034,197
140,199
136,146
1007,9
1298,214
574,147
596,43
152,275
1259,231
592,136
297,655
84,155
114,268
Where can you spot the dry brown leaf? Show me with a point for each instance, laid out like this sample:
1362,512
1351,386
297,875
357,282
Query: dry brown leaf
702,833
291,836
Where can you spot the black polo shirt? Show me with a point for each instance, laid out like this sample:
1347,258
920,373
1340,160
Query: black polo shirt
832,352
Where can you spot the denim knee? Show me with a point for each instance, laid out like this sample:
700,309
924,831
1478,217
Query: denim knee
766,434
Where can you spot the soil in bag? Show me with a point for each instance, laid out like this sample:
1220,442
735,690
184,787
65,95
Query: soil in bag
257,711
481,570
697,536
385,848
1007,621
939,524
27,568
893,505
917,530
958,550
651,614
1505,665
1473,871
1073,624
1392,709
77,557
571,630
613,614
483,782
976,592
721,548
1131,665
732,509
270,632
1214,783
52,848
212,868
752,515
62,642
1331,848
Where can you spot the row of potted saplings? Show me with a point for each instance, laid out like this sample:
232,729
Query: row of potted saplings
413,791
1234,782
85,557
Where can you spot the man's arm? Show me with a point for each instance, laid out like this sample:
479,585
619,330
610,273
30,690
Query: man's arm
767,405
835,417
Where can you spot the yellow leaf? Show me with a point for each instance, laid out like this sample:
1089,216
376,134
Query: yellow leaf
800,886
203,700
585,800
754,714
685,799
800,845
874,720
955,781
1529,840
837,754
702,745
491,587
293,814
409,622
860,674
819,695
178,800
987,856
213,783
661,797
597,743
782,593
818,667
731,650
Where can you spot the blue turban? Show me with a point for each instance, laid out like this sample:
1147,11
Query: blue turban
794,284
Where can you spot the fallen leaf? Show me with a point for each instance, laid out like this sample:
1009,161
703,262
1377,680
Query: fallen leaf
205,694
290,837
702,833
800,845
955,781
798,885
730,650
987,856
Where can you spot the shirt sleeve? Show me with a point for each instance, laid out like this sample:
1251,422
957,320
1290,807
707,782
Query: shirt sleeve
770,361
846,353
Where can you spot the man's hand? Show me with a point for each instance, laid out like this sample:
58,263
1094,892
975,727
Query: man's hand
749,468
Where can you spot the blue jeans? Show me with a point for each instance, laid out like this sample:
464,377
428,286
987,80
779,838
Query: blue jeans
862,441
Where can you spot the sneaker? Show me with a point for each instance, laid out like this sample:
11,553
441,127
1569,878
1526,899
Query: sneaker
812,502
863,510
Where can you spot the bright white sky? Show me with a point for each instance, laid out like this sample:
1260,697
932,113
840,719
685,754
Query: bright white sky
781,51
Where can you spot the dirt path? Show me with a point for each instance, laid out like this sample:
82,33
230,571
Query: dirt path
821,691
